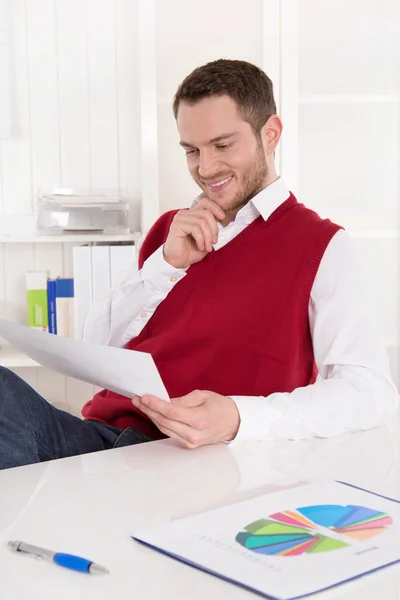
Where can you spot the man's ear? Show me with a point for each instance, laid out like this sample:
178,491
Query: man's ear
271,133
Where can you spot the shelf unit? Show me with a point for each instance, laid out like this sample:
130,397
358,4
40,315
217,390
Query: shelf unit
128,16
11,357
38,238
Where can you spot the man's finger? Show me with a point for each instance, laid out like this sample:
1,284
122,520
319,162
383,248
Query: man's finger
197,234
212,206
210,218
155,403
167,409
196,398
192,436
203,222
181,441
203,235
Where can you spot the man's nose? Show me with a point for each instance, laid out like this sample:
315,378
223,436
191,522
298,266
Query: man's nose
208,166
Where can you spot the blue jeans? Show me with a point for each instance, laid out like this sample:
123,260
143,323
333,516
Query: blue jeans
32,430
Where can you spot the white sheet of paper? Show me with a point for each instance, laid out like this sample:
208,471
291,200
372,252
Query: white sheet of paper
126,372
209,540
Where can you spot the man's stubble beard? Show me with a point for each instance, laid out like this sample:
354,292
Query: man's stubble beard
252,181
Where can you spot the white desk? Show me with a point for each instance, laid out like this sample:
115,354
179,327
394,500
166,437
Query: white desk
90,505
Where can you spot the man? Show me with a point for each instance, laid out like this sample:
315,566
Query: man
242,300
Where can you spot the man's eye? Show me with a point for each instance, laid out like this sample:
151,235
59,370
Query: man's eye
193,151
224,146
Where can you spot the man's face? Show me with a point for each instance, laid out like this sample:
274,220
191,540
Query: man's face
224,156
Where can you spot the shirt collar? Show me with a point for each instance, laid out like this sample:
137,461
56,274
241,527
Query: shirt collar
264,203
268,200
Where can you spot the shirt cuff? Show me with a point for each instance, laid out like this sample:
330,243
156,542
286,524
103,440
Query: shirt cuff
159,273
257,418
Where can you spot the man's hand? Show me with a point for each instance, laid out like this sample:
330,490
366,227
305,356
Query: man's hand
192,234
198,419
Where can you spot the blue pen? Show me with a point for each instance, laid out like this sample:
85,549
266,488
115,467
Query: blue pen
69,561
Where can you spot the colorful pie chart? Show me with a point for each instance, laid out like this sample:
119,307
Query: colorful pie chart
313,529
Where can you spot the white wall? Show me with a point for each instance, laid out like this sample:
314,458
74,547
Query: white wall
189,35
75,123
348,139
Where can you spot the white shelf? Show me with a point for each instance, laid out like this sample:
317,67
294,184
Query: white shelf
68,238
13,358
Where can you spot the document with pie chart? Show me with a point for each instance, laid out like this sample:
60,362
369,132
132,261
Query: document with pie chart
288,544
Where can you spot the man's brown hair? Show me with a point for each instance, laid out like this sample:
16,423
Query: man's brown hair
246,84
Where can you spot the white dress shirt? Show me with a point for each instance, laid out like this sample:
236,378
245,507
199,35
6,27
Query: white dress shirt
353,390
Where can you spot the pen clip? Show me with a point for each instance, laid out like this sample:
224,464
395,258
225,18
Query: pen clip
14,546
35,556
28,550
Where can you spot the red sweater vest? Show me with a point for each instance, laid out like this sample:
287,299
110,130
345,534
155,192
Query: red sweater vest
237,323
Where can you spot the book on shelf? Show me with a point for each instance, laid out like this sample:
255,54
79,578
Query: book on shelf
36,299
123,259
59,305
100,271
51,305
64,300
97,270
60,301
